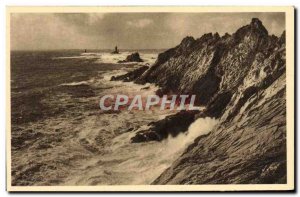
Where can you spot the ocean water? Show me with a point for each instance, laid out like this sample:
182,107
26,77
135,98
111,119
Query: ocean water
61,137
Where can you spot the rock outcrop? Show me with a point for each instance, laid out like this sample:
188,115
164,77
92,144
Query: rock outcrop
134,57
130,76
241,80
171,125
250,149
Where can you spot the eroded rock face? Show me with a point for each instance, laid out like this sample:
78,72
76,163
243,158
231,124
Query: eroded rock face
211,65
249,144
170,126
241,79
251,148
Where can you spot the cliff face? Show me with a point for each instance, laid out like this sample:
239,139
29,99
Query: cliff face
250,148
241,79
212,67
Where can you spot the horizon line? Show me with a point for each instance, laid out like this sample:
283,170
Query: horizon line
84,49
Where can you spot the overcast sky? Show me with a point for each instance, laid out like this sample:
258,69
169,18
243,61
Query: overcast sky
127,30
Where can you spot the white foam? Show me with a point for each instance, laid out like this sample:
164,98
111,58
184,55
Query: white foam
152,158
139,163
74,83
109,58
201,126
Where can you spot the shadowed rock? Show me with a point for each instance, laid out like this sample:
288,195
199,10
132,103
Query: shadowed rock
130,76
171,125
246,90
134,57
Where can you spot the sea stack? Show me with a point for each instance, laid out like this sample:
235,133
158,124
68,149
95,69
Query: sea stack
134,57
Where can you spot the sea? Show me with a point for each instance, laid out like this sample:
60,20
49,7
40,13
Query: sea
59,135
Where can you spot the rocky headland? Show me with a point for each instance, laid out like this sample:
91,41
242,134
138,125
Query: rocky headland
241,80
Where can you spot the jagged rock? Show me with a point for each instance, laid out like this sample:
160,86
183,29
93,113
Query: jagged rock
130,76
210,64
241,80
134,57
171,125
248,146
145,136
250,149
217,106
282,38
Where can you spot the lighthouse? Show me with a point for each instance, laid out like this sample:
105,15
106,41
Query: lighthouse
116,51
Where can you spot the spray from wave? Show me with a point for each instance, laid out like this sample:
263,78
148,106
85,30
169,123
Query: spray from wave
135,163
201,126
161,155
140,163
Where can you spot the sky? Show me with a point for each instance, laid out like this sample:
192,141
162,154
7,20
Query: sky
49,31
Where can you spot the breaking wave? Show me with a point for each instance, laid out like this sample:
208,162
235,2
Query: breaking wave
139,163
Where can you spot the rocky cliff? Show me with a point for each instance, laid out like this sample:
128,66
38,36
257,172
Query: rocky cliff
249,148
241,79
